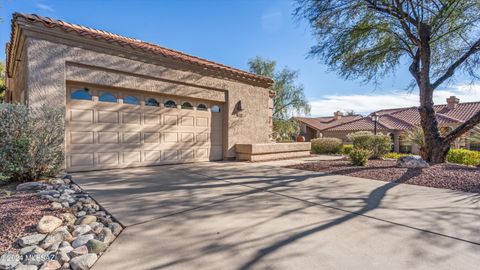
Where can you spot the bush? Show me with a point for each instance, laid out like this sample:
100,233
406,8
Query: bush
463,156
31,142
359,157
347,148
394,155
327,146
378,145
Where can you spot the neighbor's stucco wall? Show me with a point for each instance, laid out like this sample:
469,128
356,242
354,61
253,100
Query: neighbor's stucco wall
51,64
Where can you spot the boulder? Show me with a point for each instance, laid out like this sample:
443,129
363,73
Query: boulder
48,224
51,265
97,227
81,213
116,228
9,260
56,181
82,240
29,240
106,236
69,218
96,246
30,186
56,206
26,250
83,262
411,162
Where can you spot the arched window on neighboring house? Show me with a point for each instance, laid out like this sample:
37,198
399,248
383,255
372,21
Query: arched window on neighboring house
132,100
170,104
81,94
187,106
215,109
201,107
107,97
152,102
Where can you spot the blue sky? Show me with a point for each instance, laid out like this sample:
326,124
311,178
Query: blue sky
232,32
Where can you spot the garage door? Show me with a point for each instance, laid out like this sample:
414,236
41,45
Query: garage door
115,129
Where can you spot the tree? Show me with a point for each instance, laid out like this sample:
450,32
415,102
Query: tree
2,81
350,113
370,38
289,96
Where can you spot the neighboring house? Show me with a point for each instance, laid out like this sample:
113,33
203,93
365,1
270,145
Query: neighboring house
395,122
131,103
312,128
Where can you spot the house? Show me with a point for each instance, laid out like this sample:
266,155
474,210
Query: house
395,122
131,103
312,128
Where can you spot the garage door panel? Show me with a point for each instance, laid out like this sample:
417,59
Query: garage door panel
103,135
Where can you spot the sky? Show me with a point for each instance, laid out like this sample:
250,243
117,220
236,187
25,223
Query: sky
232,32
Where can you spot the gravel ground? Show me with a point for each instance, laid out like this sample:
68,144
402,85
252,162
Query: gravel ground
448,176
19,214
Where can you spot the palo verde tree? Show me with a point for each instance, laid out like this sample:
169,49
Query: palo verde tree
370,38
289,95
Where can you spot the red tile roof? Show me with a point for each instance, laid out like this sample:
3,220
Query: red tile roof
408,118
321,123
132,43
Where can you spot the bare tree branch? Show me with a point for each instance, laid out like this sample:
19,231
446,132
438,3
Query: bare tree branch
462,129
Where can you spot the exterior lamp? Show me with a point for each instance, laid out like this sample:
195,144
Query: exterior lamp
374,117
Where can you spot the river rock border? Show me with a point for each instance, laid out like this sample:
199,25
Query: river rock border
73,240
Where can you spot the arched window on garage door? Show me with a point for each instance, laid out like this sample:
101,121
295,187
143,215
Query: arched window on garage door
152,102
170,104
81,94
201,107
215,109
132,100
107,97
187,106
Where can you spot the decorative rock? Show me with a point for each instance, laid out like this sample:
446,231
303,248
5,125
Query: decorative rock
95,246
51,265
65,266
66,249
26,267
106,236
82,240
411,162
116,228
30,186
79,251
56,237
83,262
81,229
48,224
26,250
56,181
38,259
62,257
100,214
31,239
81,213
54,246
49,192
86,220
56,206
97,227
9,260
69,218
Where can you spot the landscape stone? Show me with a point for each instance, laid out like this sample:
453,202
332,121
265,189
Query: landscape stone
48,224
69,218
96,246
83,262
82,240
26,267
106,236
30,186
86,220
9,260
51,265
97,227
116,228
63,257
411,162
81,229
56,206
31,239
79,251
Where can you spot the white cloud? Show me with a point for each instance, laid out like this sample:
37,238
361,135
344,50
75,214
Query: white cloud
45,7
271,21
367,103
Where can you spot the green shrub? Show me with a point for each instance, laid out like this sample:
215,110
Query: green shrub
31,142
359,157
347,148
394,155
463,156
378,144
327,146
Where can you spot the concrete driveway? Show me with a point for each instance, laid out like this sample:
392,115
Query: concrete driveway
261,216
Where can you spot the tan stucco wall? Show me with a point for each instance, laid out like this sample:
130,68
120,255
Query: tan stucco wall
51,64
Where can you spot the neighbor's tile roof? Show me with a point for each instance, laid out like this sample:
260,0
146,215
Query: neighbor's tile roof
322,123
132,43
407,118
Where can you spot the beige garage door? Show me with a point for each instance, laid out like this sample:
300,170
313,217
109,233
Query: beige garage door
116,129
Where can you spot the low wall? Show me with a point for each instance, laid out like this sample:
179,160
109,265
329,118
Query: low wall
269,151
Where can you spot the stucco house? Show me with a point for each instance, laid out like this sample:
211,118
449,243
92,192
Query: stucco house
312,128
395,122
131,103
